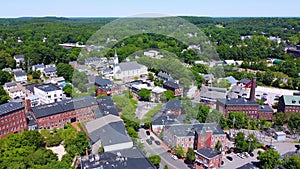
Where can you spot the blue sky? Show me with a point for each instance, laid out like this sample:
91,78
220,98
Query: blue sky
106,8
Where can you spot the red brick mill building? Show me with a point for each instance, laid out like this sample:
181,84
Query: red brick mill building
12,118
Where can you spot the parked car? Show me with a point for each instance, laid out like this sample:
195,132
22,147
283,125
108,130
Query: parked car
246,154
229,158
149,141
265,148
157,142
148,132
191,166
251,154
152,138
174,157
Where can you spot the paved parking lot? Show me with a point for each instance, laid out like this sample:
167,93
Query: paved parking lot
272,92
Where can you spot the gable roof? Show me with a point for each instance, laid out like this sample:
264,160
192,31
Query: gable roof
47,87
171,84
10,107
126,66
19,57
245,81
174,105
102,82
208,152
50,69
20,73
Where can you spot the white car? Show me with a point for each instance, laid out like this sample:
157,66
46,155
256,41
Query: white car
174,157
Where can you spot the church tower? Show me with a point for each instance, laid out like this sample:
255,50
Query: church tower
116,67
116,59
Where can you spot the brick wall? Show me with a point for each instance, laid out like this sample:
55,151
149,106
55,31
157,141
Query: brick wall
14,122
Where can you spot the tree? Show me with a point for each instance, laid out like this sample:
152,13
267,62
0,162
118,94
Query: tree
269,159
294,121
68,89
155,159
218,146
150,76
82,87
240,142
4,77
179,151
36,74
66,71
203,113
190,155
144,94
279,119
169,94
241,120
166,167
291,162
4,97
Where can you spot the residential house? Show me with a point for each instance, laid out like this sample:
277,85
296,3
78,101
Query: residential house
175,87
9,85
48,93
156,93
208,158
16,93
50,70
20,76
104,86
39,67
108,132
174,107
57,80
19,59
165,77
12,118
246,83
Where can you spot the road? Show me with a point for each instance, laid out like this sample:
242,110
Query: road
143,108
161,151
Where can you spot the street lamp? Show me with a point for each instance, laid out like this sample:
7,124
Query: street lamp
233,124
249,140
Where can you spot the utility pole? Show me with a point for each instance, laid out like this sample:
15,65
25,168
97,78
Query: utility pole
249,140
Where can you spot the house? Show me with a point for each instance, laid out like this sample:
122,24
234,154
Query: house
108,132
38,67
153,54
57,80
231,80
194,136
20,76
212,94
104,86
56,115
50,71
73,64
160,120
208,158
33,100
246,83
289,104
156,93
9,85
175,87
131,158
19,59
16,93
127,71
48,93
174,107
165,77
106,107
12,118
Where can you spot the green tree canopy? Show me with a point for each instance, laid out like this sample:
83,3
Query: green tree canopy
144,94
190,155
269,159
155,159
179,151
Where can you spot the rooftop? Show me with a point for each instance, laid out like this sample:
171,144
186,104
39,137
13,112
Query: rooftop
131,158
265,108
19,56
174,105
208,152
10,107
171,84
245,81
237,102
47,87
10,84
102,82
20,73
50,69
126,66
291,100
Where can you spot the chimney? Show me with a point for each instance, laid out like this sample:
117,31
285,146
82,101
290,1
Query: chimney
252,91
86,151
27,104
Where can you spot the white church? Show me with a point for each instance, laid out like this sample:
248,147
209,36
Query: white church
128,71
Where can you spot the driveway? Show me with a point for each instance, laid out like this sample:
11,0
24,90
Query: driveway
154,149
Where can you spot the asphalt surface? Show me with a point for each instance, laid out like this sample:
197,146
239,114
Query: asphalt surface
154,149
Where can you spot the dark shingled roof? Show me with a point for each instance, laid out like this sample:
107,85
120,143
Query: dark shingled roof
174,105
171,84
182,130
131,158
10,107
208,152
31,86
102,82
20,73
248,166
47,87
50,69
10,84
63,106
245,81
265,108
238,101
19,56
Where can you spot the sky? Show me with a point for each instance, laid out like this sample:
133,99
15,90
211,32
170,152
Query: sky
124,8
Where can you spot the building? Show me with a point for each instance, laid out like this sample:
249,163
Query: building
246,83
108,132
106,106
174,107
20,76
175,87
289,104
12,118
56,115
19,59
9,85
165,77
195,136
280,136
58,81
50,71
39,67
16,93
212,94
156,93
131,158
208,158
104,86
48,93
265,111
127,71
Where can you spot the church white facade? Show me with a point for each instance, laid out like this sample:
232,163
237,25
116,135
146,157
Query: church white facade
127,71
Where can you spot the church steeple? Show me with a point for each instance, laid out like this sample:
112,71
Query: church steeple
116,59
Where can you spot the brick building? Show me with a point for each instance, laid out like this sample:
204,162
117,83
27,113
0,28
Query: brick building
195,136
58,114
208,158
289,104
104,86
12,118
176,88
265,111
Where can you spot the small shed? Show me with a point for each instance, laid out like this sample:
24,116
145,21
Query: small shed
280,136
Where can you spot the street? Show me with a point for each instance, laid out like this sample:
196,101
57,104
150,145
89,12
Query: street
161,151
143,108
